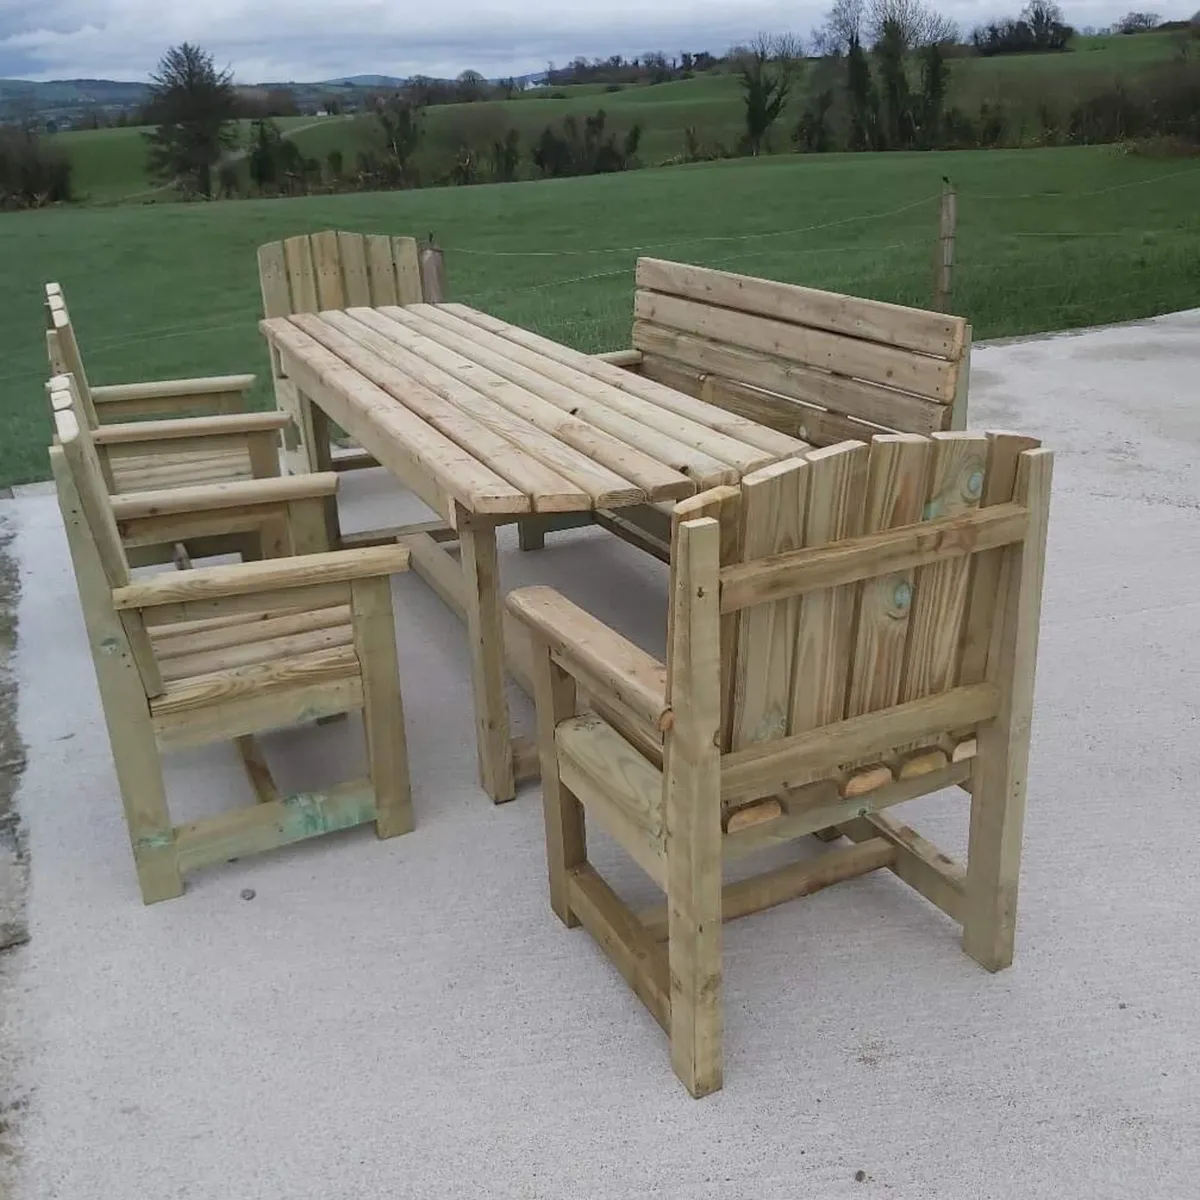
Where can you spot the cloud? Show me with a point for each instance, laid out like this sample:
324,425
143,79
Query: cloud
323,39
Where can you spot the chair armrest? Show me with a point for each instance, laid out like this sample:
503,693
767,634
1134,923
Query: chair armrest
180,390
249,493
609,665
222,425
272,574
620,358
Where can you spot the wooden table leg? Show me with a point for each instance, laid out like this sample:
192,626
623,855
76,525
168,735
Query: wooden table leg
485,629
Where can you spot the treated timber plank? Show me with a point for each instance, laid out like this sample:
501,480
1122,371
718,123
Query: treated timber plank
870,320
620,670
626,467
273,280
761,892
355,278
409,286
665,397
773,512
187,665
424,459
825,624
382,266
699,435
276,823
302,279
515,450
278,490
464,353
930,542
888,407
804,757
895,497
957,470
932,378
327,266
621,936
222,632
692,795
1002,759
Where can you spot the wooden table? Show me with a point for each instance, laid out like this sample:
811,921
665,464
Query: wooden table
490,425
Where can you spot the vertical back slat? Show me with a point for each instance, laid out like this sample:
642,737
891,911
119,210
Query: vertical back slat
408,271
956,474
1004,454
357,281
297,253
723,504
382,268
273,280
328,266
836,492
896,492
773,506
71,361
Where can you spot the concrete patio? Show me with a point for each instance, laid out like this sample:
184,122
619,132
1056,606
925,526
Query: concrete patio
408,1019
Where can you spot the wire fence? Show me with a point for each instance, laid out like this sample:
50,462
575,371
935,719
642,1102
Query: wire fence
975,275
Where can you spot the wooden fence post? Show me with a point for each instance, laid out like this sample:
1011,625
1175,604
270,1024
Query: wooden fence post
947,225
433,272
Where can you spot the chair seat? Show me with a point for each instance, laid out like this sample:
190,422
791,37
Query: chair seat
151,472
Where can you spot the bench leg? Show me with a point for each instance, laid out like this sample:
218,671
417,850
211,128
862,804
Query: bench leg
531,534
485,631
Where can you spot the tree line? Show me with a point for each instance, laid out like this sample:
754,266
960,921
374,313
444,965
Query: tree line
875,75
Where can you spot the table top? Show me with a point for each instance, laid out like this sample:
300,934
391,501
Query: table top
507,421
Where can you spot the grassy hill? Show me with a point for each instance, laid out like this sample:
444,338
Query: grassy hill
110,164
1048,239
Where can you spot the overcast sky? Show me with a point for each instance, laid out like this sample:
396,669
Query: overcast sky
271,40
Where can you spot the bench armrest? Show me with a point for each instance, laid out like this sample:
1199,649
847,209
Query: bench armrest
222,425
273,574
176,390
249,493
620,358
609,665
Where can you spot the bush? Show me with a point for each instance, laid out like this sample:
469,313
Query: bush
585,151
31,173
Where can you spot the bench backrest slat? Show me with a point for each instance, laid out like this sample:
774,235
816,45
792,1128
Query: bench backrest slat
831,358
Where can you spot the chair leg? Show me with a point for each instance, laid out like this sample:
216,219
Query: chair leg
144,797
383,711
566,843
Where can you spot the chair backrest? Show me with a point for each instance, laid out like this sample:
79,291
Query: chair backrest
63,350
817,365
79,453
333,269
857,579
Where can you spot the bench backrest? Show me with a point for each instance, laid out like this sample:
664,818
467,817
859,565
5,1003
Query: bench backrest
819,366
333,269
855,580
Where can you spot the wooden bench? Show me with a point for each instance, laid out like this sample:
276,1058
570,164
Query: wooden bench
218,654
336,270
819,366
848,630
222,444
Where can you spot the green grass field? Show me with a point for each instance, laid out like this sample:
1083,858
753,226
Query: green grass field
1048,239
110,164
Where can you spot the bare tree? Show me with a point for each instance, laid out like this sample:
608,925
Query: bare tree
766,70
916,22
1138,22
843,25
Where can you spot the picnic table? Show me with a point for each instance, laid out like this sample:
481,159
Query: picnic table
491,424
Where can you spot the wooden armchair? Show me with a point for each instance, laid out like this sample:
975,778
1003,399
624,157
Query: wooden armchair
221,653
176,450
256,518
332,270
847,631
